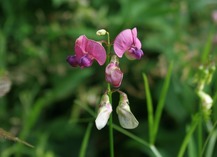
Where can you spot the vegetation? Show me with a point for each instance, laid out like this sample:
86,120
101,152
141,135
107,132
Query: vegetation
172,90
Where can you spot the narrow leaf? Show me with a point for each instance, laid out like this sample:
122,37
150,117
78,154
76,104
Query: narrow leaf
150,109
162,99
189,135
85,140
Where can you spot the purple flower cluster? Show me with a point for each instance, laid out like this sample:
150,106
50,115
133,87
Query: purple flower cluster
87,50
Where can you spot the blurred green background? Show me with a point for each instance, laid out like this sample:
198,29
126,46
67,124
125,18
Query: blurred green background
44,104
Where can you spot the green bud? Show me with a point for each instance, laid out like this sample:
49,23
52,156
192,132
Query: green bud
101,32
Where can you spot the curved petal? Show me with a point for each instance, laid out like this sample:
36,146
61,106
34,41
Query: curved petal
134,54
103,116
80,45
116,77
97,51
123,42
126,118
136,41
72,60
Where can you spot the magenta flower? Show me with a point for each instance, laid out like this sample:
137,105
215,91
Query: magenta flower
127,41
86,51
113,73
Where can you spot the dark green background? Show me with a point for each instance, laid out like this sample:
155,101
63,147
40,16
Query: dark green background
42,106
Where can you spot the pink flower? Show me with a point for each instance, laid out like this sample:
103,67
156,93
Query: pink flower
127,41
113,73
86,51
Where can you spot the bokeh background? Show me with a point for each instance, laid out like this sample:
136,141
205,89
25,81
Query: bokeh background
44,103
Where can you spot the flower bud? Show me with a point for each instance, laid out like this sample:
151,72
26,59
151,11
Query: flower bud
206,100
126,118
104,112
101,32
113,73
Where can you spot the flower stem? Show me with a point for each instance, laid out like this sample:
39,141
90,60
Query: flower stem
111,137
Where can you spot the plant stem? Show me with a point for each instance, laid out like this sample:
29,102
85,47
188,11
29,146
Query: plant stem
111,137
85,141
189,135
200,133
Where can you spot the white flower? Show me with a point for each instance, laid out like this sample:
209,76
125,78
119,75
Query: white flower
126,118
206,100
104,112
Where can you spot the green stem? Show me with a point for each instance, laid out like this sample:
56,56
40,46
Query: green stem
85,140
111,137
189,135
210,141
200,134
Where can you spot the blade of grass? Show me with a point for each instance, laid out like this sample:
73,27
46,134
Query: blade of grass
138,139
211,144
210,141
127,133
161,102
150,109
84,144
200,134
192,147
188,136
208,47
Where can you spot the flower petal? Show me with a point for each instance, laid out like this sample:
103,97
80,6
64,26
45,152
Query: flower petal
104,112
123,42
80,46
126,118
136,41
116,77
72,60
97,51
103,116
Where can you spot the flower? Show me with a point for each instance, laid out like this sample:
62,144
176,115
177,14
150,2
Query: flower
127,41
206,100
126,118
113,73
104,112
86,51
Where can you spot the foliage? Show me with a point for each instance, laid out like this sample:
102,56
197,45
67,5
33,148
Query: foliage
51,105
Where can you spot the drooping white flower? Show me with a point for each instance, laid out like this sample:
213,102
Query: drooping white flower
126,118
104,112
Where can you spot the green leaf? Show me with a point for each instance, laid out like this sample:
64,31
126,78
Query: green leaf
150,109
